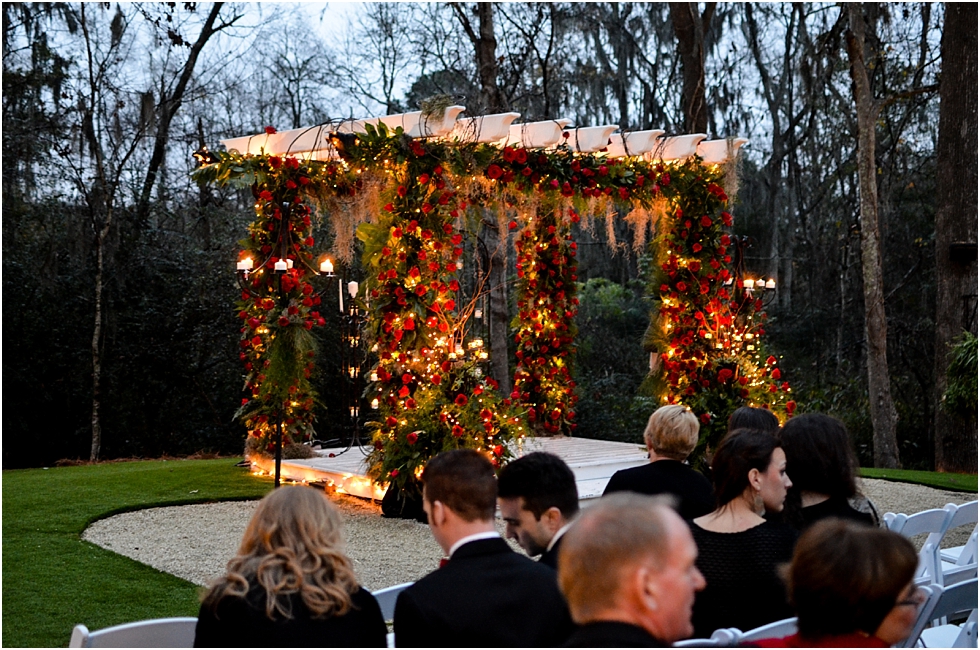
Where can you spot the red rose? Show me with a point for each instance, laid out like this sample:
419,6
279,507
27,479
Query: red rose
790,406
403,392
436,379
724,374
776,374
283,321
389,207
394,473
270,130
498,450
696,248
412,438
290,185
682,286
461,400
771,361
705,418
458,431
494,172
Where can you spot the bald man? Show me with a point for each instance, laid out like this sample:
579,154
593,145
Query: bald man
627,570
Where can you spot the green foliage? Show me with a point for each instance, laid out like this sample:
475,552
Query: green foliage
612,364
961,376
52,580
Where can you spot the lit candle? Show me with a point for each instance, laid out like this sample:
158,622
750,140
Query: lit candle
478,314
326,266
245,264
761,283
747,283
352,289
771,284
374,403
281,266
459,264
289,262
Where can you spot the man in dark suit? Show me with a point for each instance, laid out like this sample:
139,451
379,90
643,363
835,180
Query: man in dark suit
538,501
627,570
486,594
670,436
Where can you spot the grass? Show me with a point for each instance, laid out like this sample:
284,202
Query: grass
941,480
53,580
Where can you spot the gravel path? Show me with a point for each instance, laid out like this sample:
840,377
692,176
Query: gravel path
195,542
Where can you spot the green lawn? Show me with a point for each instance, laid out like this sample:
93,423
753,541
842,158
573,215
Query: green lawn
943,481
53,580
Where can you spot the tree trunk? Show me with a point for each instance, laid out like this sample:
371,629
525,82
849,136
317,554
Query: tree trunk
883,415
956,211
97,338
168,109
498,313
689,30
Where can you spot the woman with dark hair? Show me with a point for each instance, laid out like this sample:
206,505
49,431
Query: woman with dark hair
290,584
738,549
821,460
748,417
852,587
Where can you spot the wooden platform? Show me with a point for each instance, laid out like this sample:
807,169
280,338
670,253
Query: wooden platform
593,461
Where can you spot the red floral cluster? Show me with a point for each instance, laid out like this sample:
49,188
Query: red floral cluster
275,301
547,302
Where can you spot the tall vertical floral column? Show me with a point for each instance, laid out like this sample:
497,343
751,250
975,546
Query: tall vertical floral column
428,387
547,303
278,308
708,326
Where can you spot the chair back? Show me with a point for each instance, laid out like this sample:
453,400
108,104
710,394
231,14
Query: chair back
941,603
387,598
933,522
964,515
775,630
153,633
721,638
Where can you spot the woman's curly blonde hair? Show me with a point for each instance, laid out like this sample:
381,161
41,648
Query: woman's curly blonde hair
292,546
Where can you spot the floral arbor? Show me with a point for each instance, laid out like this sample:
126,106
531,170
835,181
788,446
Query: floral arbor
406,185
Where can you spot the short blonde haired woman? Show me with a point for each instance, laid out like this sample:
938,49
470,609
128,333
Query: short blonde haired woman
290,585
670,436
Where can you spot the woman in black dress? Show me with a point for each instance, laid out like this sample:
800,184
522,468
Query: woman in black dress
821,460
290,584
739,550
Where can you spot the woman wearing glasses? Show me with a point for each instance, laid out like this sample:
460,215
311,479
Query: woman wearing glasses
852,587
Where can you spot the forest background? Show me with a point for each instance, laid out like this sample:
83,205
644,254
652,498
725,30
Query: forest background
120,337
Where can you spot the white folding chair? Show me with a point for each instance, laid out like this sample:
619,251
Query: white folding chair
942,603
963,515
387,598
723,638
153,633
775,630
932,522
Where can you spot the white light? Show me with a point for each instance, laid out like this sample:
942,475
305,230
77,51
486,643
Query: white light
761,283
771,284
245,264
747,283
352,289
281,266
289,262
326,266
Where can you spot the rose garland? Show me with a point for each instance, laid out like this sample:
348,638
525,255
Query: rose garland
431,394
707,328
278,309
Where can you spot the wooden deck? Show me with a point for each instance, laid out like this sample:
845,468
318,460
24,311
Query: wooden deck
593,461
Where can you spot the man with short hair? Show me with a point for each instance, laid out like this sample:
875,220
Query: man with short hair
538,500
627,571
485,594
671,435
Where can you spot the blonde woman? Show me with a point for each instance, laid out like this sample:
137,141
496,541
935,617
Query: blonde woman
290,584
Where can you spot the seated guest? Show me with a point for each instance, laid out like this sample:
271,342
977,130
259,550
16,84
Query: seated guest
485,594
748,417
627,570
290,584
821,460
739,550
670,436
852,588
538,500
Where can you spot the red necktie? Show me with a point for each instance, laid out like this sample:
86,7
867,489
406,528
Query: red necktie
443,562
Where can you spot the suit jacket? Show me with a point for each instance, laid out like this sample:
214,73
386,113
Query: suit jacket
613,634
550,558
693,490
486,595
